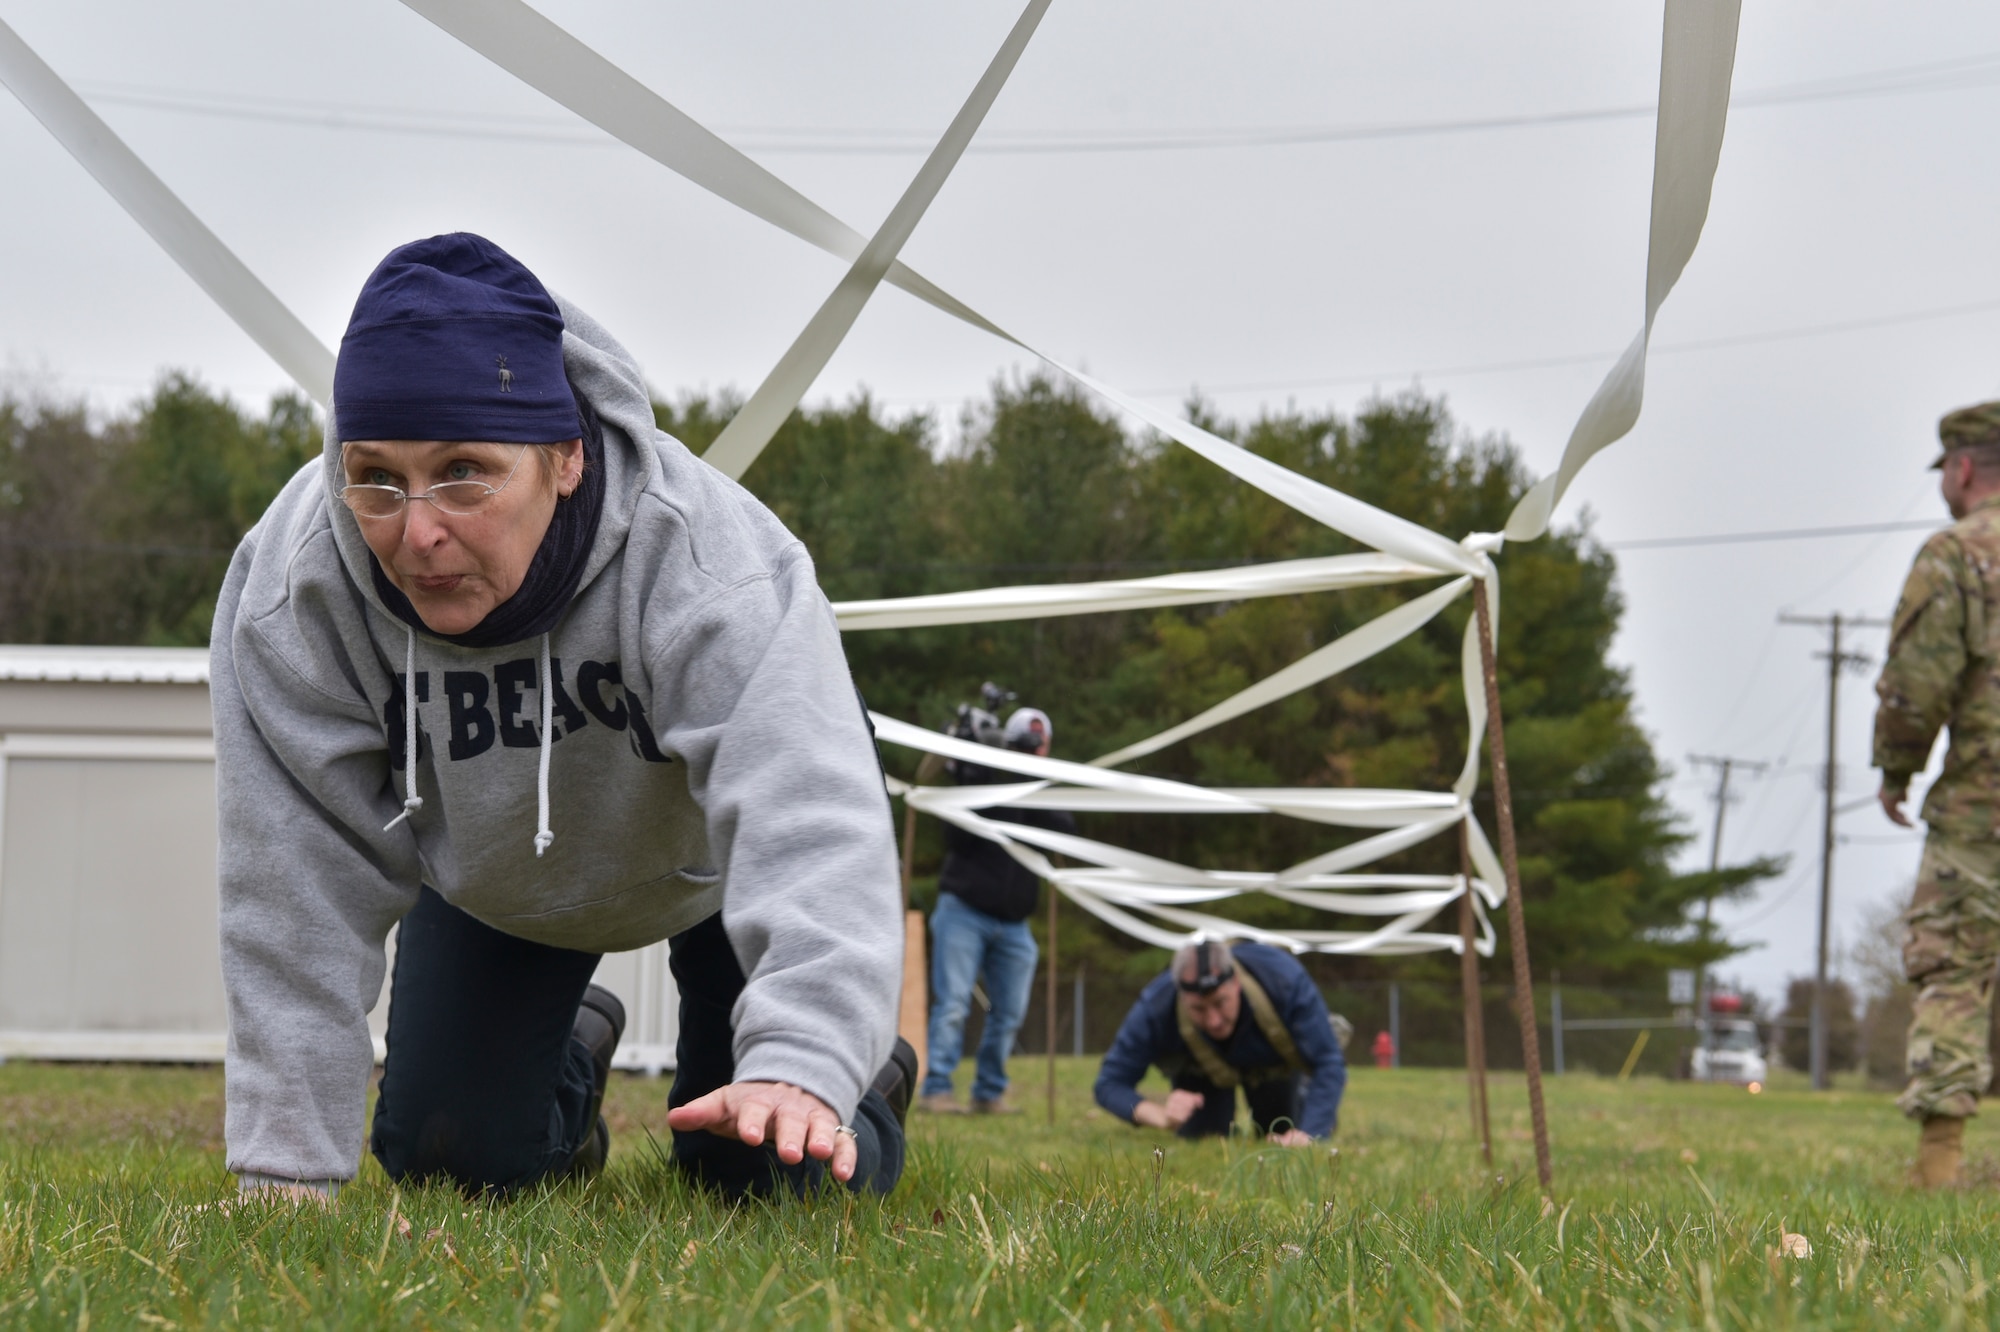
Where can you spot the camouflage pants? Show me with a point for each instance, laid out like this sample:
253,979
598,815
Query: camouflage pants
1950,945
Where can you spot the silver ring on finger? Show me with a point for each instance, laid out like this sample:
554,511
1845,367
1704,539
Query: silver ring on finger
843,1128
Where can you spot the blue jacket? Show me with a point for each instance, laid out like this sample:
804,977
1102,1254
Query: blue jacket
1151,1035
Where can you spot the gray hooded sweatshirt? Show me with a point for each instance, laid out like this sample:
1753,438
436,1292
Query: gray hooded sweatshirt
707,753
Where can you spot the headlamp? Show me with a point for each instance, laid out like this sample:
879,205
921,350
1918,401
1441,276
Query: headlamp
1211,970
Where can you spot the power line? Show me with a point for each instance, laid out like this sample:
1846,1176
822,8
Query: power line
1467,371
1967,72
1774,534
1770,905
1823,329
1598,357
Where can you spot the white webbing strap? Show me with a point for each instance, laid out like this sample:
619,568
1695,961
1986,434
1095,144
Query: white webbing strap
228,282
1379,633
1697,59
758,420
1279,578
545,57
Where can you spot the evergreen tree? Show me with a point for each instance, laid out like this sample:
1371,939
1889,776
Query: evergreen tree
121,533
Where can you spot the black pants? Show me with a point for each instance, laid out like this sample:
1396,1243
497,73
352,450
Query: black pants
485,1087
1274,1102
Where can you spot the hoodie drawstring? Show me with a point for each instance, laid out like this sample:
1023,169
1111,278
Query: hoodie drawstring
544,835
412,802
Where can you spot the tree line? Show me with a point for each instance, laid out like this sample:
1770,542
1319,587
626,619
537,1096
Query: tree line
118,531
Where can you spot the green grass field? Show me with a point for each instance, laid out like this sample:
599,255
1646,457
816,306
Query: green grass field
1667,1212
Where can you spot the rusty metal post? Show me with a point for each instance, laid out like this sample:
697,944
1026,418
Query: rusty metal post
1517,929
1050,1000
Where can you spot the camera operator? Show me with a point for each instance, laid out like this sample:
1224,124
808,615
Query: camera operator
979,928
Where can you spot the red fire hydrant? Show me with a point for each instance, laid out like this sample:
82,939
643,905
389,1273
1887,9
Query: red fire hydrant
1385,1050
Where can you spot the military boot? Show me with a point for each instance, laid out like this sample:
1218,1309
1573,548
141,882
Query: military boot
1939,1151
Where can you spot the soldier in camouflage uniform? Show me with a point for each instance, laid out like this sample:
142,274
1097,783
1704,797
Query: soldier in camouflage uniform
1943,669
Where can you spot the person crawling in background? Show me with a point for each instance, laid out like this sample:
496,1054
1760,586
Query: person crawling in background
1221,1018
614,700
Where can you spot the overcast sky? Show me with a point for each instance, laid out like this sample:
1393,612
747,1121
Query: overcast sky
1845,294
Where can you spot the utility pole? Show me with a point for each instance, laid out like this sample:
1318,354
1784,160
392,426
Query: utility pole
1836,661
1724,765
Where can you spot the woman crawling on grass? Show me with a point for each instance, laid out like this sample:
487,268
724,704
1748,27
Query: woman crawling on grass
630,720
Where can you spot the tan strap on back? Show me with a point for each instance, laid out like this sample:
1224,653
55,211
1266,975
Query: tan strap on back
1273,1026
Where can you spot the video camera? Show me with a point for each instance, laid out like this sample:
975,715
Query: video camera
981,724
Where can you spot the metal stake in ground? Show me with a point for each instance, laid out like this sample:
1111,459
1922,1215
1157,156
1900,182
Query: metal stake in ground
1475,1016
1050,1002
1517,929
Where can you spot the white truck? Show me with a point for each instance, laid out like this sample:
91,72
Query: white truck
1727,1048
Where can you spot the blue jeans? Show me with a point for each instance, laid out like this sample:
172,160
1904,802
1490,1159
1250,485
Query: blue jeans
967,944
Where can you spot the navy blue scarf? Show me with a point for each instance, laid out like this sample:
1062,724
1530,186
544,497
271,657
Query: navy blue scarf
553,575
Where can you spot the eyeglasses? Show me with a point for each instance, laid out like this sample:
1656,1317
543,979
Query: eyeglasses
457,497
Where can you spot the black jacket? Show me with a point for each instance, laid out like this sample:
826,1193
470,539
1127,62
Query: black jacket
980,873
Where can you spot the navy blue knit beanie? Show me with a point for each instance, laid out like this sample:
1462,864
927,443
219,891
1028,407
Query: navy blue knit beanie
453,339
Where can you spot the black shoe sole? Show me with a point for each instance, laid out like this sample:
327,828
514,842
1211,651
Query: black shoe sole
600,1025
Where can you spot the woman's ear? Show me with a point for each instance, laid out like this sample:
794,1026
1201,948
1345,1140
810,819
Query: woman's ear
570,475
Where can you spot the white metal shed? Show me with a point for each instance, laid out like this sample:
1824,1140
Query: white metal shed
108,945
